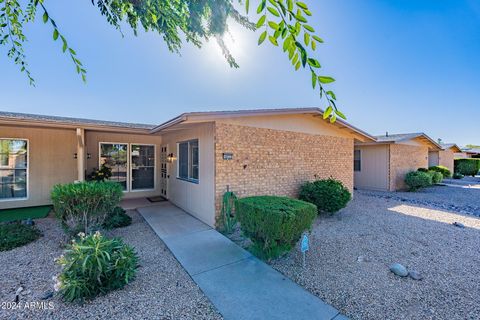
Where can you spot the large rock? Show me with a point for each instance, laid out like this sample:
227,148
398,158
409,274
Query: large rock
399,270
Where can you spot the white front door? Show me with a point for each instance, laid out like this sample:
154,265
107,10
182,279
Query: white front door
163,171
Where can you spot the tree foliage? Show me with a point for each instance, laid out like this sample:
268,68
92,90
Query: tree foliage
284,23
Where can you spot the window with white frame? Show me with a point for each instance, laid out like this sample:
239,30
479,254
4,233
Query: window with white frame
115,157
188,160
13,168
357,160
143,166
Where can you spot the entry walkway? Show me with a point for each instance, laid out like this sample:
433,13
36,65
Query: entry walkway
238,284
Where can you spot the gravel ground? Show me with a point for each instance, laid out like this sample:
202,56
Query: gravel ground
162,289
348,264
463,200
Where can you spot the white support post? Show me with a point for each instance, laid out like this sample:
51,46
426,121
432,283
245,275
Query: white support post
81,154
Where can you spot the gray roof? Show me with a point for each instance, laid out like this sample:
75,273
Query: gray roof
446,146
399,137
74,121
471,150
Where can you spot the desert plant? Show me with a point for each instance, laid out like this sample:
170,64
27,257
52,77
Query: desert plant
13,235
418,179
443,170
84,206
328,195
95,265
227,219
117,219
467,167
457,175
100,175
274,224
437,177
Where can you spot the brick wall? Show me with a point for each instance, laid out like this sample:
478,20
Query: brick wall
446,158
272,162
403,159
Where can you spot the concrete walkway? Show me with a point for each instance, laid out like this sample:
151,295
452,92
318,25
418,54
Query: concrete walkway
238,284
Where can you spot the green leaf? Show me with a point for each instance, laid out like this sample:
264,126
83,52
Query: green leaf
55,34
298,65
331,94
340,114
262,37
290,5
314,80
309,28
261,21
333,118
273,11
261,6
313,62
327,112
72,51
273,25
324,79
302,5
247,5
45,17
306,39
318,39
273,40
314,45
300,18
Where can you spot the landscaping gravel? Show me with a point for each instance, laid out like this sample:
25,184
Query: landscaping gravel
348,264
162,289
462,200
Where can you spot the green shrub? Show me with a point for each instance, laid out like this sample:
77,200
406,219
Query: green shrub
100,175
467,167
437,177
274,224
423,169
117,219
443,170
457,175
95,265
418,179
328,195
84,206
13,235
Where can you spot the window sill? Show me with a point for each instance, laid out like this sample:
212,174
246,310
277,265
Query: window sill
195,181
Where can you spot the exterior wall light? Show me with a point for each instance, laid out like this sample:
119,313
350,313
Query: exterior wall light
171,157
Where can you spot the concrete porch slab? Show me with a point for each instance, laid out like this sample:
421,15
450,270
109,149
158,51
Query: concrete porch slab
167,220
250,289
205,250
132,204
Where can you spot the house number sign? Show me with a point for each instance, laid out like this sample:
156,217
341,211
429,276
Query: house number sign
227,156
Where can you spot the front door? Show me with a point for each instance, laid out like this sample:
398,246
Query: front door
163,171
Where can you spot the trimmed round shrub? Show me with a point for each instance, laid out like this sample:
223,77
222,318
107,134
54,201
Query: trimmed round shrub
437,177
328,195
443,170
423,169
84,206
117,219
95,265
274,224
457,175
467,167
418,179
13,235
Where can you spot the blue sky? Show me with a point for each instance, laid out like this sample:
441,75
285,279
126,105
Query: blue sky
400,65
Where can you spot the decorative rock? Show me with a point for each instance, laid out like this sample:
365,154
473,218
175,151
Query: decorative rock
399,270
415,275
47,295
458,224
28,222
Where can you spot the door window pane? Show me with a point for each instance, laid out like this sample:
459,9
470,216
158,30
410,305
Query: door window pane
115,157
143,167
13,168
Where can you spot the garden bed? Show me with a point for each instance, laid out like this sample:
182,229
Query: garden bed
348,264
162,289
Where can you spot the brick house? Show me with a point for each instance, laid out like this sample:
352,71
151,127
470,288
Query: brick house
382,165
444,157
190,160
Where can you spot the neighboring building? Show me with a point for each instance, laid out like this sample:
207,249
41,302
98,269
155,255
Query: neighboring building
190,160
444,157
468,153
382,165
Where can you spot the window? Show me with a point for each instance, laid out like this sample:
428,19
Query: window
357,160
13,168
188,161
115,157
143,166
